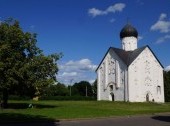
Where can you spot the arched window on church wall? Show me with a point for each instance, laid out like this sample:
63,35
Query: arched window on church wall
158,89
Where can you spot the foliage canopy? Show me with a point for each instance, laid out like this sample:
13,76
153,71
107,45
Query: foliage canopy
22,63
167,86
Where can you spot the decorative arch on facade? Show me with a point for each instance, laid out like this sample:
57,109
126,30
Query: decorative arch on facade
149,96
112,85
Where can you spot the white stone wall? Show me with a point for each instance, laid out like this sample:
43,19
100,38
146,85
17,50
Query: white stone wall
129,43
145,76
111,78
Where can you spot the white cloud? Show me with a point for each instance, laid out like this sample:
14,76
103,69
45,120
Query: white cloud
118,7
69,74
140,38
162,16
80,65
76,70
91,81
162,24
163,39
112,20
95,12
167,68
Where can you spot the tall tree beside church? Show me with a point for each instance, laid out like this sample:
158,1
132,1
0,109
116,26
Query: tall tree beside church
167,86
83,88
94,88
22,63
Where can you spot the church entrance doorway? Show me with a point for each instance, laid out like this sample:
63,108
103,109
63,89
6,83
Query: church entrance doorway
113,97
111,93
147,97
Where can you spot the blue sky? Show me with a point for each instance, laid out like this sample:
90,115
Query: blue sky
83,30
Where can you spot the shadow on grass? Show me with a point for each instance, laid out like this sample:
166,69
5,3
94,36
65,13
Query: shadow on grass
24,119
26,105
162,118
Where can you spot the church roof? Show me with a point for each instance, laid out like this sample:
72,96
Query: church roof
128,31
128,56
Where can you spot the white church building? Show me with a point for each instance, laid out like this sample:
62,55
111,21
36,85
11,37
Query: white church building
130,74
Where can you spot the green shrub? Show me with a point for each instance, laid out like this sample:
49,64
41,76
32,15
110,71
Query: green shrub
16,97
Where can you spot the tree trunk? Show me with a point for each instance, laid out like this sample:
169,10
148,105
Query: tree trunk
5,98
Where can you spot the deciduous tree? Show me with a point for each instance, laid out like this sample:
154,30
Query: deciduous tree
82,88
56,90
22,63
167,86
94,88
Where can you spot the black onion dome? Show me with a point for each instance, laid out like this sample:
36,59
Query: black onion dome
127,31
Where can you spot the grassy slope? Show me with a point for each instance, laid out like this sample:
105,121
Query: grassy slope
52,110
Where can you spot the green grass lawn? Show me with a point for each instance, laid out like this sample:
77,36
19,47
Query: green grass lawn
55,110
